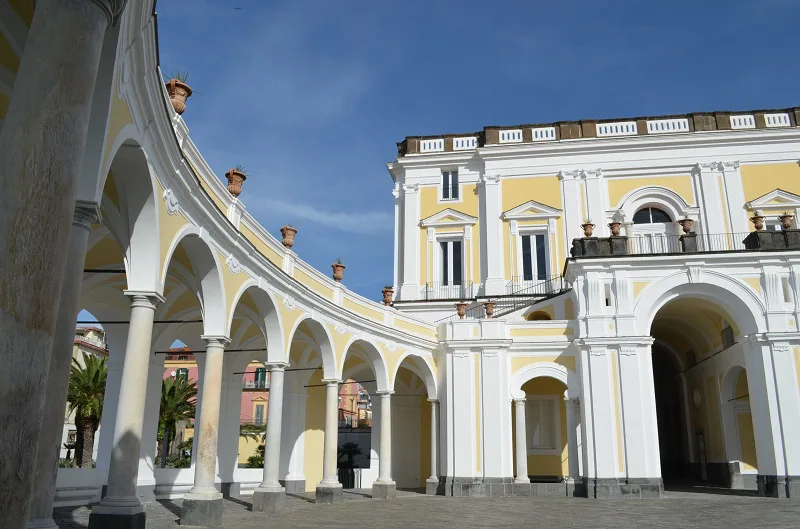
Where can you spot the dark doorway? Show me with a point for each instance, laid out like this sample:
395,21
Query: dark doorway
669,413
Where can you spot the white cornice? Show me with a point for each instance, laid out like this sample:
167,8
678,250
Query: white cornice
440,220
532,210
786,199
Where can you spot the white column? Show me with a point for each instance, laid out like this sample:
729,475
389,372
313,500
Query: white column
42,144
521,442
49,444
595,200
734,198
398,248
571,195
410,287
572,439
385,463
491,227
434,426
121,497
272,456
206,461
330,456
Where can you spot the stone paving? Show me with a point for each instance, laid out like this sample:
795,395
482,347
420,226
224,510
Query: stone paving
412,510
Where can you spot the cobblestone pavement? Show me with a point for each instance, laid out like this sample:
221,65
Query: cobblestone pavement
412,510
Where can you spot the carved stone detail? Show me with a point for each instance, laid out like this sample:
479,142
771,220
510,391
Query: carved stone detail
171,201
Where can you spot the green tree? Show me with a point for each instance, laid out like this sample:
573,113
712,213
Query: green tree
178,400
255,432
87,388
257,460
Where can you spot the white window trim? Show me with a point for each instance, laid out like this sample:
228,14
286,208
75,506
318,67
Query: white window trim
543,229
556,399
439,199
437,254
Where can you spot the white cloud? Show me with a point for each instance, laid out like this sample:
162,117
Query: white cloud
368,223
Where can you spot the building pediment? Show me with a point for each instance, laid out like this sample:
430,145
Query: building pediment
531,210
775,199
448,217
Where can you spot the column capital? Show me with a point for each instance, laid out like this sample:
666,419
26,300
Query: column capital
331,381
276,366
219,341
386,393
519,401
141,298
111,8
86,213
433,401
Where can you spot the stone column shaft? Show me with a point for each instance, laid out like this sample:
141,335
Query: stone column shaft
206,464
434,465
272,458
521,442
385,464
44,486
572,439
329,476
42,144
121,498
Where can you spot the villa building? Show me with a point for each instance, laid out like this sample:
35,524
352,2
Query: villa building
588,308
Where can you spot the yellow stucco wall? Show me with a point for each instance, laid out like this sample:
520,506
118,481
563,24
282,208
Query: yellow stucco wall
518,362
313,284
424,440
532,331
363,310
619,187
119,116
758,180
261,246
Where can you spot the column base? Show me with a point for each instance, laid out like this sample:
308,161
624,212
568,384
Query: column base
634,488
329,494
778,486
432,486
203,510
99,520
384,491
230,489
42,523
294,485
269,501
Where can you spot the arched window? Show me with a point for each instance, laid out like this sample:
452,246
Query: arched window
539,315
650,215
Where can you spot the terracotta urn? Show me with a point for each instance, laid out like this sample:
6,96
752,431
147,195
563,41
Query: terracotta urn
288,235
758,221
614,227
488,306
338,271
461,309
388,292
786,221
686,224
235,180
588,229
178,92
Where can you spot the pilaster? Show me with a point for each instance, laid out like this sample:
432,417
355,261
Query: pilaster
706,177
571,196
491,224
734,197
410,287
595,203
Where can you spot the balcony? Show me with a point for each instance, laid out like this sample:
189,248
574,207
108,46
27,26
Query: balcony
761,240
448,291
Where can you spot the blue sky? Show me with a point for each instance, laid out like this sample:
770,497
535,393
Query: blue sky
311,97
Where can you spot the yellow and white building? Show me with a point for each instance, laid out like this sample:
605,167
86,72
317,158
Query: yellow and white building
602,371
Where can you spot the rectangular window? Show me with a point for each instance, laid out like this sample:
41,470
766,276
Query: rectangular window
259,414
452,268
542,425
182,373
450,185
261,377
534,257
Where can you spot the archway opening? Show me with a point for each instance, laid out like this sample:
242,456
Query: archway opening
700,427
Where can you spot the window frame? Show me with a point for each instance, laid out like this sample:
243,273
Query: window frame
440,193
536,400
182,371
263,407
523,231
449,238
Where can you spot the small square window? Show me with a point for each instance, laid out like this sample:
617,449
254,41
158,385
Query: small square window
450,189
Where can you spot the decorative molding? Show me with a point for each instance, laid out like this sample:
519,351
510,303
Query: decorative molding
628,351
289,302
171,201
341,328
694,273
531,210
410,188
729,166
777,198
448,217
588,174
490,179
568,175
461,353
391,346
489,353
781,347
233,264
467,233
597,351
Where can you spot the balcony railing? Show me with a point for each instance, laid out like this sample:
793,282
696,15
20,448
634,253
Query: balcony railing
100,344
659,244
448,291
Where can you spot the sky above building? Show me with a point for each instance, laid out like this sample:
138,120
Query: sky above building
311,97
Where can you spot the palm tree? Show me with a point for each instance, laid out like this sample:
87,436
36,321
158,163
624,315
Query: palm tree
178,399
87,388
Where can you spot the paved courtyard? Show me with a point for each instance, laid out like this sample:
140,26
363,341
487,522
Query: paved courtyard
411,510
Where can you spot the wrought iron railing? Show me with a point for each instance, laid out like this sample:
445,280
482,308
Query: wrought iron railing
448,290
523,297
474,312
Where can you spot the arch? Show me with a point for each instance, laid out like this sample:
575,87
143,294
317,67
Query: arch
322,339
269,319
654,196
418,365
739,301
732,431
538,315
373,357
543,369
138,216
209,285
